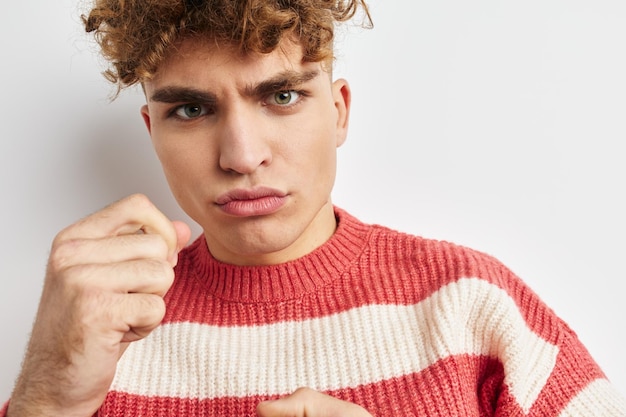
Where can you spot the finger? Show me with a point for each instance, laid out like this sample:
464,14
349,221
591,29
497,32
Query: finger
150,276
119,319
183,234
127,216
107,250
142,314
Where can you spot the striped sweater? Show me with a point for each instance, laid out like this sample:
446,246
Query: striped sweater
401,325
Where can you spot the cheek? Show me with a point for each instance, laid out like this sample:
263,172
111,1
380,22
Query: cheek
169,159
179,161
318,158
182,150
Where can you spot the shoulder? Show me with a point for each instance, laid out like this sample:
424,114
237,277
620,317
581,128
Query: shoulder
434,256
424,266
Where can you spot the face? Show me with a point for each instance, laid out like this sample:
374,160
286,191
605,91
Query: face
248,145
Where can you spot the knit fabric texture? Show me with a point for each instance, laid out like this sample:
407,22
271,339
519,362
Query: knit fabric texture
403,326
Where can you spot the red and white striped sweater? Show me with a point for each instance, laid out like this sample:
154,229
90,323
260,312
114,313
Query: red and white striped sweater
401,325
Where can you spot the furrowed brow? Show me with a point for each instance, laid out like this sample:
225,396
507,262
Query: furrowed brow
286,80
182,95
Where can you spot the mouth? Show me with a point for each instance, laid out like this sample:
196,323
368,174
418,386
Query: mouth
258,201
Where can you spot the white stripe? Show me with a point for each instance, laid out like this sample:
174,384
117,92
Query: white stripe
359,346
599,398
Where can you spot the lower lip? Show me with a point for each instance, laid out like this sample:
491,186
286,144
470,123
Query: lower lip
255,207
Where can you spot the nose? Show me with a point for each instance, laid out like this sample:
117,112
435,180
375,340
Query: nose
244,146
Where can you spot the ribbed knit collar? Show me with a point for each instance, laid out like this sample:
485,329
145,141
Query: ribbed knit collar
286,281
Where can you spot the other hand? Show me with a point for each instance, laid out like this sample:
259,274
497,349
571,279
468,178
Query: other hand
306,402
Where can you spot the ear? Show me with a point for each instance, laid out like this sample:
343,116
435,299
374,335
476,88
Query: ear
145,114
342,97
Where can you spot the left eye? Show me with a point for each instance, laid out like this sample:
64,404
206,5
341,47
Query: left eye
283,98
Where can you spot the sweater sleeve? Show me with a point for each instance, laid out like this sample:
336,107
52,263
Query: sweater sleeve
547,369
577,386
533,363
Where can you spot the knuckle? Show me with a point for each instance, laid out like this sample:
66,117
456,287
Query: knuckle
63,252
139,200
77,281
63,236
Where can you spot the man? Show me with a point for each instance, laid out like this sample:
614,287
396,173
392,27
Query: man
286,305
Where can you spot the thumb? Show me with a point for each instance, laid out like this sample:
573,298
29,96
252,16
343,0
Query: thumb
183,234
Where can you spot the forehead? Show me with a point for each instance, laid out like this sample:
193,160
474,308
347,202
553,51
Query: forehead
194,57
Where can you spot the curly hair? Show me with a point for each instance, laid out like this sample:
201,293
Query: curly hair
136,35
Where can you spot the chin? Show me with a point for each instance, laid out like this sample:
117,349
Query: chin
264,246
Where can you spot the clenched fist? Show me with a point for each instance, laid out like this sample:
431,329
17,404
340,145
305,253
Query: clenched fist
104,288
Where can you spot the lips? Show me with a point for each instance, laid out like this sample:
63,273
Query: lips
257,201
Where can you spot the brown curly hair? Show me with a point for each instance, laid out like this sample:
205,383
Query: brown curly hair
135,35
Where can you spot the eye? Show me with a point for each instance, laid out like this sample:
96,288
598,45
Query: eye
285,98
191,111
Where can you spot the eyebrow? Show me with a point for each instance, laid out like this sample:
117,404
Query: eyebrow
182,94
285,80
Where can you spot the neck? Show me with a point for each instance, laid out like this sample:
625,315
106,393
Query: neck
275,282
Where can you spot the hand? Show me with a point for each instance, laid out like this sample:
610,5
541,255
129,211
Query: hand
306,402
104,285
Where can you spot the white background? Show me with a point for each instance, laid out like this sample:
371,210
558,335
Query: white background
499,125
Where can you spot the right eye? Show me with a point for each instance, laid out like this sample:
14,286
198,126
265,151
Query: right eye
191,111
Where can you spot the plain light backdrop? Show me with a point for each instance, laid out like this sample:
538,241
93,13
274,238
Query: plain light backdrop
498,125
